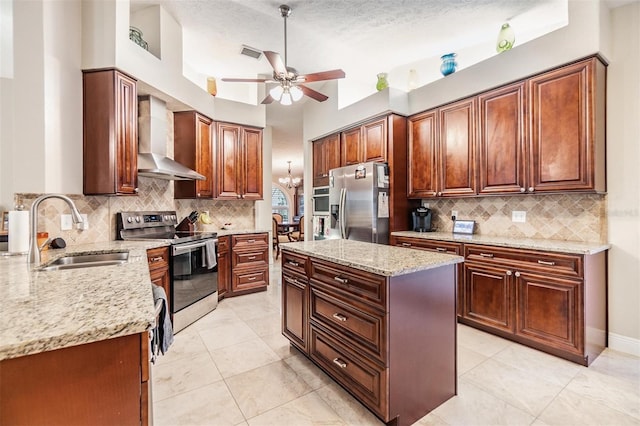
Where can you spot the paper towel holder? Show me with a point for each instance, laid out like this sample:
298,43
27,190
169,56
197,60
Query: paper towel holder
4,226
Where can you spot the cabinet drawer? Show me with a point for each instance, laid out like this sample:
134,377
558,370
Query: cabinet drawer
294,262
223,244
158,257
249,279
366,329
540,261
351,284
250,258
431,245
249,240
367,380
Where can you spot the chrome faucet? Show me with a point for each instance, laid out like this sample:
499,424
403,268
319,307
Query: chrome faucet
34,250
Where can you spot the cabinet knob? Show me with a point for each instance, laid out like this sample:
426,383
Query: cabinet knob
439,194
517,274
522,190
198,194
136,190
531,189
238,196
509,273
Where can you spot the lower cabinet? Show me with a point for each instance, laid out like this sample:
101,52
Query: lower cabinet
249,263
554,302
224,267
100,383
158,259
390,341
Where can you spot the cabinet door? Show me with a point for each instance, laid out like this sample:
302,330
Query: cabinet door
295,323
326,156
251,164
319,171
193,148
562,129
550,311
332,153
374,141
488,297
224,273
127,134
204,157
423,136
228,182
457,125
501,142
351,145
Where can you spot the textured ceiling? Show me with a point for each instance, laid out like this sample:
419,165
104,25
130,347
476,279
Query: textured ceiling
362,37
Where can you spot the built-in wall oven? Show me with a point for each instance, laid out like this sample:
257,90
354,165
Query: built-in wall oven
320,200
192,262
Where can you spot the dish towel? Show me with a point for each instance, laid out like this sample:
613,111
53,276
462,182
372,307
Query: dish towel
163,332
209,258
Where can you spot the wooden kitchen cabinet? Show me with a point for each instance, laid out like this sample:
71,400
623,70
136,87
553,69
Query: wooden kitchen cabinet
554,302
502,140
101,383
438,247
390,341
193,148
351,147
249,263
567,125
326,156
442,151
365,143
238,162
224,266
110,133
158,259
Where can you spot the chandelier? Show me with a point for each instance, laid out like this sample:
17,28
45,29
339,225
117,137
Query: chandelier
289,181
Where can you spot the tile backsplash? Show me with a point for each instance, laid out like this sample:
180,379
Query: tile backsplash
567,217
155,194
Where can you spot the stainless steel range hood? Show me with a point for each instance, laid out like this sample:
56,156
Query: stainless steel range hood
152,144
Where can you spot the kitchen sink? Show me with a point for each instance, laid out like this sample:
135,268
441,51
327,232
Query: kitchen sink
77,261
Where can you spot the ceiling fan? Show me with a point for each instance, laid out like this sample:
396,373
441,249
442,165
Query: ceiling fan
290,87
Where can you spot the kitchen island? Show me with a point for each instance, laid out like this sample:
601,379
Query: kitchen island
380,320
74,344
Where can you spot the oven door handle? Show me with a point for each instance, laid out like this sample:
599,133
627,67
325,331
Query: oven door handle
185,248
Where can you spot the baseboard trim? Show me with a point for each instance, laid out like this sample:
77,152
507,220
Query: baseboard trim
625,344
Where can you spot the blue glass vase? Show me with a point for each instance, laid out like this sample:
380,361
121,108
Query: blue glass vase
449,64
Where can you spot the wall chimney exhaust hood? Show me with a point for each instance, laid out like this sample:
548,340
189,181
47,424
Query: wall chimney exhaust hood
152,144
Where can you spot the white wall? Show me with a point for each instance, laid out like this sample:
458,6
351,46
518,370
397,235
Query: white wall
623,179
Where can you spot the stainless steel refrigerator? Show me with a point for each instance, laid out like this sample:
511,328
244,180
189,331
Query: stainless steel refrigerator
359,202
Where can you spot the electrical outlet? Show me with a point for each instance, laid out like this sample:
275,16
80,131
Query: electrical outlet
454,214
65,222
85,222
425,204
518,216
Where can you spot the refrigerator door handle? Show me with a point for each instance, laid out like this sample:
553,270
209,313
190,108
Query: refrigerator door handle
343,213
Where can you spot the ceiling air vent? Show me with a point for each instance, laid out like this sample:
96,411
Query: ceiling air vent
251,52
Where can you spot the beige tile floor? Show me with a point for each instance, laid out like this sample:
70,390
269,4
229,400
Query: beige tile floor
233,367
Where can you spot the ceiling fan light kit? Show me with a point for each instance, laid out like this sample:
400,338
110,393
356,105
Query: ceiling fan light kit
290,88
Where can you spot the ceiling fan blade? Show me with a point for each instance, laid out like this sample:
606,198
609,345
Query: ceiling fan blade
312,93
321,76
268,100
276,62
248,80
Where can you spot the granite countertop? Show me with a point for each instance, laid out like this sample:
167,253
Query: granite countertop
46,310
574,247
225,232
376,258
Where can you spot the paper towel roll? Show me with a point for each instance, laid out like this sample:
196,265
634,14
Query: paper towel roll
18,231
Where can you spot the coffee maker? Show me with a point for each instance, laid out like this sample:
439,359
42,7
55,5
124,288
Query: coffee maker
421,219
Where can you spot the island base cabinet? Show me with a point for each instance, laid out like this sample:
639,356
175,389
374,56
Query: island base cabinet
101,383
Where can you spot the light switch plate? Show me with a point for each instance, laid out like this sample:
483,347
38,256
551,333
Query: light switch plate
518,216
65,222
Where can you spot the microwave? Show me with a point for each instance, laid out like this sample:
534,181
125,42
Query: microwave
320,201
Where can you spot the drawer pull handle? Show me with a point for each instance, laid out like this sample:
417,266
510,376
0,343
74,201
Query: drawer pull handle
544,262
341,280
339,317
291,280
340,363
517,274
156,259
489,255
251,257
252,278
406,244
441,249
251,241
292,263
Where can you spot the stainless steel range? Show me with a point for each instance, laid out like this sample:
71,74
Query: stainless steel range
192,265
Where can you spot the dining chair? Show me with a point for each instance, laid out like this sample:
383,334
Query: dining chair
278,237
299,235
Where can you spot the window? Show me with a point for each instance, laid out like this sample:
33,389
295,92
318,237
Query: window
279,203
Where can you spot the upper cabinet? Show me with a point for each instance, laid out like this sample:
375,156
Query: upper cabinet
238,162
326,156
542,134
110,133
193,147
364,143
442,151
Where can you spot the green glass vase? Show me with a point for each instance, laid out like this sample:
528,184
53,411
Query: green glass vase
506,38
382,81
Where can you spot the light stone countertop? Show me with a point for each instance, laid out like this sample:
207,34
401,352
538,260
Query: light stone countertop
574,247
46,310
376,258
225,232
